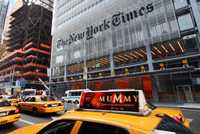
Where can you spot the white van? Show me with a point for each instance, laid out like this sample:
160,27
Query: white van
72,98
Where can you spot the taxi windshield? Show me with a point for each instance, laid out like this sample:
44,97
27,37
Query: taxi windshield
12,97
47,98
4,103
28,93
74,93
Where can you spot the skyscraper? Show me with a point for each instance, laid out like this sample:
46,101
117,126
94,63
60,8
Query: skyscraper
3,12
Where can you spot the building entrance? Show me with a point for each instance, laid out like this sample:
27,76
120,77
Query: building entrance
184,93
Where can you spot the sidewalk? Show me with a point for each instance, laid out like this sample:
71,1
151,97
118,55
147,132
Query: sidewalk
179,105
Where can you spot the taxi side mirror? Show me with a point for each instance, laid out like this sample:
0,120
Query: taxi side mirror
160,115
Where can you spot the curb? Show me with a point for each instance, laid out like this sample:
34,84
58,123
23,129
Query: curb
178,106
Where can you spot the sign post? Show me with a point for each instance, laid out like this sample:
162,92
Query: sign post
85,77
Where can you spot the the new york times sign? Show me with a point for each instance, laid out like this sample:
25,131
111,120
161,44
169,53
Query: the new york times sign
115,21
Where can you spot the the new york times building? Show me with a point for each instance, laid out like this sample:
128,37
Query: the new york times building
151,45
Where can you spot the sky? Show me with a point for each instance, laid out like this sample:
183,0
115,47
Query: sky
12,1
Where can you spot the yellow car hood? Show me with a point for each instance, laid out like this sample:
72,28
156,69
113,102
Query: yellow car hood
32,129
7,108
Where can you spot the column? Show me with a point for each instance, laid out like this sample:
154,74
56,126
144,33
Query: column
65,72
147,43
85,74
149,58
156,86
50,79
112,66
196,12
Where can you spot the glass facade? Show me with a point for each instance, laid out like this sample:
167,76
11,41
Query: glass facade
185,22
180,3
134,27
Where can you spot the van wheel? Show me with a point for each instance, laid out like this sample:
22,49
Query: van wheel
76,102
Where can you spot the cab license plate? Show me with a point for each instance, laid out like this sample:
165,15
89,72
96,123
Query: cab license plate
54,105
3,114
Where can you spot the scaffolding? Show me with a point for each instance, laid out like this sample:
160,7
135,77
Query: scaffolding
29,44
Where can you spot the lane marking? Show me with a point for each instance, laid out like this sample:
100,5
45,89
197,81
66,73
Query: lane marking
54,118
26,122
190,120
193,110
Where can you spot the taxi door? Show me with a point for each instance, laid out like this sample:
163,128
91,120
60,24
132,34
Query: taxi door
28,104
22,105
88,127
64,126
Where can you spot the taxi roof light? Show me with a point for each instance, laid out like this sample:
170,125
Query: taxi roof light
126,101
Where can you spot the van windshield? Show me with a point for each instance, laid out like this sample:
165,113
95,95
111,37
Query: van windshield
74,93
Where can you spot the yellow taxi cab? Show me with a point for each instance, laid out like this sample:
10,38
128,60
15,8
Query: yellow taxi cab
110,112
14,101
41,104
8,114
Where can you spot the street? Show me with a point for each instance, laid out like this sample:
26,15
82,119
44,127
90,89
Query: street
193,116
29,119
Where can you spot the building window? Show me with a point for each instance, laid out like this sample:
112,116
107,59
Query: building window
77,54
180,3
59,59
191,43
59,48
185,22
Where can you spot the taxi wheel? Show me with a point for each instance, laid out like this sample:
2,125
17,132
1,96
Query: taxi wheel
10,124
35,111
20,109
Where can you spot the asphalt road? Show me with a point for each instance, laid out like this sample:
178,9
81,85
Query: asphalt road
194,117
29,119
